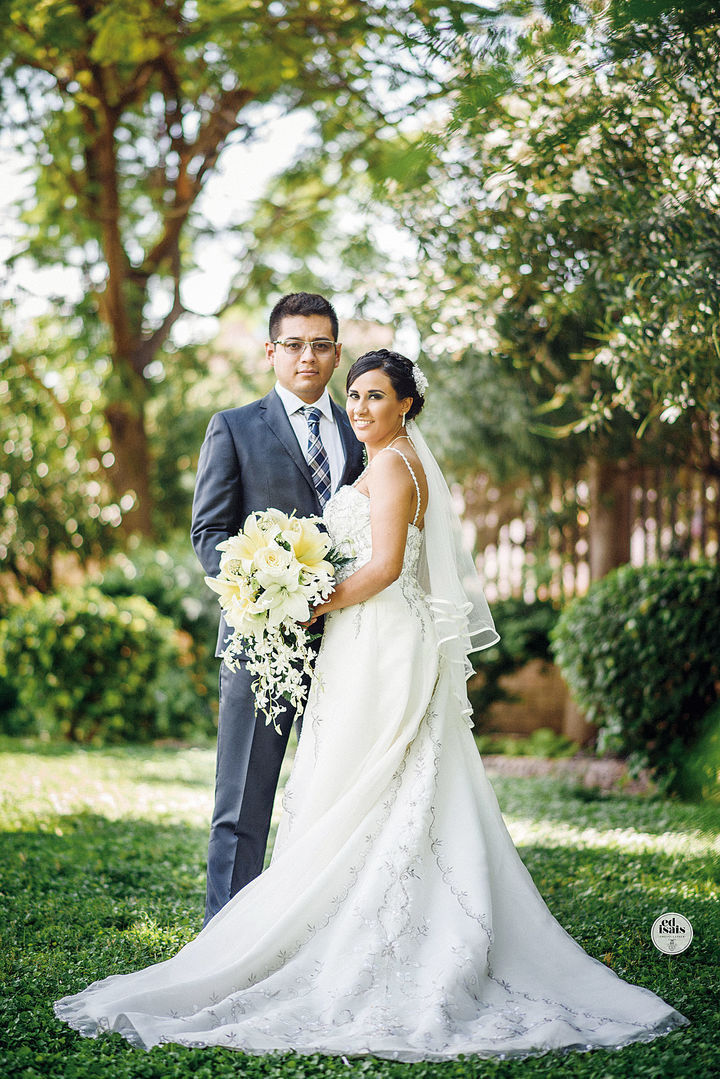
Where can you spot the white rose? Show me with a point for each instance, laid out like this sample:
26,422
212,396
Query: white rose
275,566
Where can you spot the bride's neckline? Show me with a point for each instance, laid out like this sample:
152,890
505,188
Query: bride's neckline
366,498
388,447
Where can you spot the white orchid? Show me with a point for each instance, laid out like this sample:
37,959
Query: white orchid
271,576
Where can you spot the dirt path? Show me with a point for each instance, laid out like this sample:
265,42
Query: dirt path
605,774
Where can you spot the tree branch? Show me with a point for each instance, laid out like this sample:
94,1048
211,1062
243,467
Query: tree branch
149,345
140,80
208,145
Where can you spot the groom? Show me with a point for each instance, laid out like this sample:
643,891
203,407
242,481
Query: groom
276,452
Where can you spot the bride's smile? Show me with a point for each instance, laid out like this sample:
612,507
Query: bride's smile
375,411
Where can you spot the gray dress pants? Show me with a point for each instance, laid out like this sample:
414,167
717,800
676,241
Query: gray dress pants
249,758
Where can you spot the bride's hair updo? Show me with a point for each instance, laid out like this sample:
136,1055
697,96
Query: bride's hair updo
399,369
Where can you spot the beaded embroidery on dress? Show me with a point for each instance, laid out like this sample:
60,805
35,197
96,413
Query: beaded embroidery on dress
396,917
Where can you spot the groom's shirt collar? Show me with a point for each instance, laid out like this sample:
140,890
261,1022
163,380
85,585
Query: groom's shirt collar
293,404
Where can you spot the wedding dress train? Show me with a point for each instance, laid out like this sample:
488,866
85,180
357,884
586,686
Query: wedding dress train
396,917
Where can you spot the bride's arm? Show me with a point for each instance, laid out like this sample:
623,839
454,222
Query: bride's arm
391,495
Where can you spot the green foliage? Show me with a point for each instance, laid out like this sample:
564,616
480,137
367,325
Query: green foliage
612,155
700,769
543,742
184,396
524,635
54,496
640,655
102,863
173,581
578,298
91,669
124,112
57,504
567,267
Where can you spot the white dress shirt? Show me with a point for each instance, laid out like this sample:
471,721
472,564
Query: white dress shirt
329,432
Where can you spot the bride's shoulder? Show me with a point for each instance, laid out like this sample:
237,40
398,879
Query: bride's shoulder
397,464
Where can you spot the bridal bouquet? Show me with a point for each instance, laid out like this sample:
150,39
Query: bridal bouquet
271,575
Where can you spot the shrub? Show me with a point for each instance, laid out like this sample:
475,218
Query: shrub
543,742
8,696
641,655
700,773
95,670
524,630
173,581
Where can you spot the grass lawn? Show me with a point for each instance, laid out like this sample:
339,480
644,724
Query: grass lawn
102,871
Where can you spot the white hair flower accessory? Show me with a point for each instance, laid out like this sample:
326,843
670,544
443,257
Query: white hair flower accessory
421,383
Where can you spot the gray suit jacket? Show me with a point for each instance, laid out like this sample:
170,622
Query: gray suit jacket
250,460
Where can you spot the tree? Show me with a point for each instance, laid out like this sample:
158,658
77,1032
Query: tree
126,106
568,270
595,191
613,143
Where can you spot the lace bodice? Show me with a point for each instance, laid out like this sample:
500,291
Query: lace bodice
347,517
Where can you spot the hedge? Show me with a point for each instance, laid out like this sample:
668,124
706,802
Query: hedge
93,669
641,655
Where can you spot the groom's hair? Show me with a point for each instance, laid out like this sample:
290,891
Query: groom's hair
302,303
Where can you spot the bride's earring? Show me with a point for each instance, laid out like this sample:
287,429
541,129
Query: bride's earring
403,419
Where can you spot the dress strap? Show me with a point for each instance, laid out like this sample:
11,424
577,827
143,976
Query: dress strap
417,485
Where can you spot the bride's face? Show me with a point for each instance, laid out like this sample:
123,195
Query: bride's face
374,409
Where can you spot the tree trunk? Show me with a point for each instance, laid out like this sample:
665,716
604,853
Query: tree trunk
610,518
121,306
130,473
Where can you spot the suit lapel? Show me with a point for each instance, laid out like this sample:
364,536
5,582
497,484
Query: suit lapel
275,416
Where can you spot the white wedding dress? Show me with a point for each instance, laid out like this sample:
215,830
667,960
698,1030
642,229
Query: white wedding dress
396,917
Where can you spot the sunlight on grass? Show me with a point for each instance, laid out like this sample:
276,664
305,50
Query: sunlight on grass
152,784
175,783
156,784
149,932
102,869
529,832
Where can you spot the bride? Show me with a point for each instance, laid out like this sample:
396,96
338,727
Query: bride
396,917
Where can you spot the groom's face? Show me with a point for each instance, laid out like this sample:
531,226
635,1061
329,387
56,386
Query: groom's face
299,369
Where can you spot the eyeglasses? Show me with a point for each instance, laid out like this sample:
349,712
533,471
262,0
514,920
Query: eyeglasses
295,346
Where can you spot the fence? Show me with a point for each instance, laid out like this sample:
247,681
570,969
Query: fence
546,554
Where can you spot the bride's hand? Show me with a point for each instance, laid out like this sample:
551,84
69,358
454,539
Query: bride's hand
312,619
319,611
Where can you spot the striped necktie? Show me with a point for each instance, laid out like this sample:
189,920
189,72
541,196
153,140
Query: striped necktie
317,457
